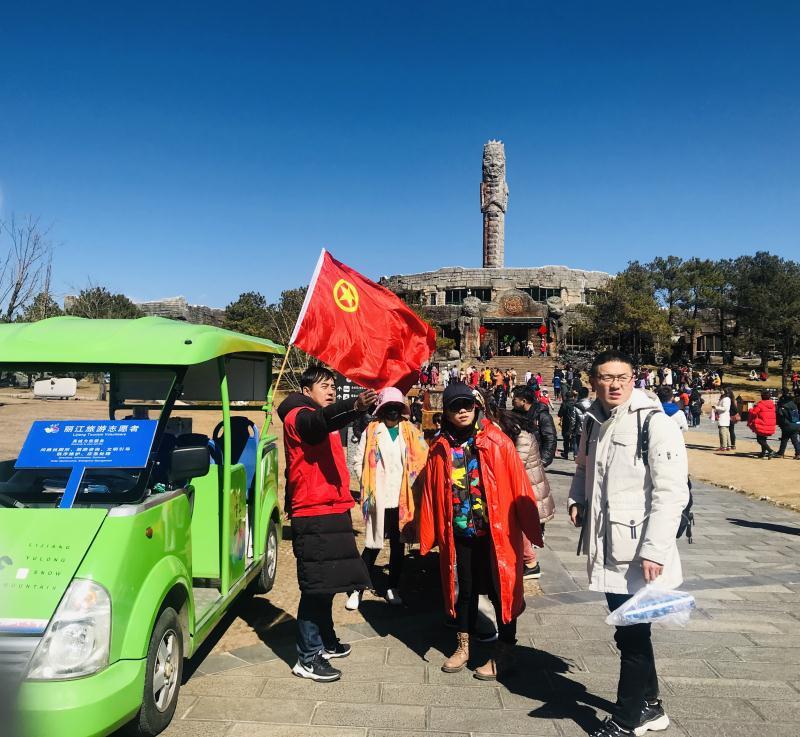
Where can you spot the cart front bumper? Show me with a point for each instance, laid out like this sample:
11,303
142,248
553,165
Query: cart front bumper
93,706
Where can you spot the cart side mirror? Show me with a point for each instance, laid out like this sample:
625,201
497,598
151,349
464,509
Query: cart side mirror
188,463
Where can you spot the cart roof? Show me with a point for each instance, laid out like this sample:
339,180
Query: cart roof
154,341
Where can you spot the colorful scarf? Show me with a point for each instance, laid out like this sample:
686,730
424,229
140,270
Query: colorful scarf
416,456
470,518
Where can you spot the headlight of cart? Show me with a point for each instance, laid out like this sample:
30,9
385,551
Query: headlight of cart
78,637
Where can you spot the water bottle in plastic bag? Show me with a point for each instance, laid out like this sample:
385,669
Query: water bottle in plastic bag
652,604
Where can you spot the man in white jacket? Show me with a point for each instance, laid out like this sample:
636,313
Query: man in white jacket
629,511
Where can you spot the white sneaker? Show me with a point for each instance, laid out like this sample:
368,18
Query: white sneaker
353,601
392,597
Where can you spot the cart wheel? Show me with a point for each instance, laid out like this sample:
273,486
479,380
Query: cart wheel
162,680
265,580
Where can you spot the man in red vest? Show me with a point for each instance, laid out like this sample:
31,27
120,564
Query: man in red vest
318,501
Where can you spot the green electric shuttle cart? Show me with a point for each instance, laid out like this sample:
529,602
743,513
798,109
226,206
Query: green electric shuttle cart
128,526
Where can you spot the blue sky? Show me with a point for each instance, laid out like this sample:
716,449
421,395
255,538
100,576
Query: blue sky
207,150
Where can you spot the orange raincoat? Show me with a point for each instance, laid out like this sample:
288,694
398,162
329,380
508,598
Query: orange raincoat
512,510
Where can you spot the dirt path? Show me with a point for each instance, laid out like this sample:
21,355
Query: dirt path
775,480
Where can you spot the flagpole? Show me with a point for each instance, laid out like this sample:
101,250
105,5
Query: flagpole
283,366
309,293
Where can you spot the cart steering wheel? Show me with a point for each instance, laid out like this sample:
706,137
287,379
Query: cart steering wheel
7,501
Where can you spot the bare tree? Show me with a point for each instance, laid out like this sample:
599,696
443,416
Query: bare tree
26,255
281,319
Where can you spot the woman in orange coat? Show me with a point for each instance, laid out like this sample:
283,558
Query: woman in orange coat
476,503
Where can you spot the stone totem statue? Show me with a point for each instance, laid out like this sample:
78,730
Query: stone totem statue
494,202
556,312
469,325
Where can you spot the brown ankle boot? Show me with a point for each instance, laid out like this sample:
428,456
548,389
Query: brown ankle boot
500,663
459,658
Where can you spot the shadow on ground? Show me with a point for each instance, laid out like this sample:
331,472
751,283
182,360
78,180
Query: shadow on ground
785,529
537,674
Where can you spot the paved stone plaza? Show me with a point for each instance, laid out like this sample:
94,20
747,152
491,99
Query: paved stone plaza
733,672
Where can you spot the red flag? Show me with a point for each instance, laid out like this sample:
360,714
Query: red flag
361,329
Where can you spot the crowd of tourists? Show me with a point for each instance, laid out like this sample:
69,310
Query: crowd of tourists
476,489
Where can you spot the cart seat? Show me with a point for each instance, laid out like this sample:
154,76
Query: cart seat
244,445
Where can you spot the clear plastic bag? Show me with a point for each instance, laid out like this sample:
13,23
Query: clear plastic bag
653,604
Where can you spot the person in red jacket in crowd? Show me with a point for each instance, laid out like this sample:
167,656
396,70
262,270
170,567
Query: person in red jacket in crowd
762,420
318,501
476,503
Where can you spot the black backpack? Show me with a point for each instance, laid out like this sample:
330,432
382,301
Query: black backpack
642,449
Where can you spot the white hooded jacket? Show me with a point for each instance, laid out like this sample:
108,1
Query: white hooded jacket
632,511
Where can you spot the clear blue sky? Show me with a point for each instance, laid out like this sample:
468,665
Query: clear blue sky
209,150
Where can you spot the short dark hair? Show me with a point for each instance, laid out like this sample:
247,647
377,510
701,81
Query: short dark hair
765,394
583,392
437,418
664,393
525,393
607,357
314,374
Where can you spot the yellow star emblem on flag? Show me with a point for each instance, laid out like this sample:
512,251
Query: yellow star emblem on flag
345,295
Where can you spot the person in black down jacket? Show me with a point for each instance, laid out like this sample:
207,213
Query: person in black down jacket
789,423
538,421
318,501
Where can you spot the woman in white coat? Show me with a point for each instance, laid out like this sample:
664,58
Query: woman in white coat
391,454
722,410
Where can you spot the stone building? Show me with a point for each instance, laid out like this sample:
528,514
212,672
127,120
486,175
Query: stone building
177,308
495,305
511,302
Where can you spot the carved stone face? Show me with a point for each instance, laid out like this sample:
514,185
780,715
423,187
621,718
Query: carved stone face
494,162
555,307
471,307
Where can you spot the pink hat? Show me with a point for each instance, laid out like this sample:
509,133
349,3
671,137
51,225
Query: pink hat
392,395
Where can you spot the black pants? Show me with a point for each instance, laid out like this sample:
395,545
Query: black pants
397,549
474,563
314,626
568,441
792,435
762,441
732,431
638,681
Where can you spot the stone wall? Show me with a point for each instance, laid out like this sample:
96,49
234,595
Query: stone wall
432,284
177,308
174,308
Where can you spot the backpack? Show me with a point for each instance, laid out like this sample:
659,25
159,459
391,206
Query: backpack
642,448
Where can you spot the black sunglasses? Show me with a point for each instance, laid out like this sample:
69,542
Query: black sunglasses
458,404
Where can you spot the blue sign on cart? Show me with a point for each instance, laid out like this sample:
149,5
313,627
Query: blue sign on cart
82,444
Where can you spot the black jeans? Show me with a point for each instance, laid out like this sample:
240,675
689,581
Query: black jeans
568,443
732,431
762,441
638,681
314,626
474,563
794,436
397,549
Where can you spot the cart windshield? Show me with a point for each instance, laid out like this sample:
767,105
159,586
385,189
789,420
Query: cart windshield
52,422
